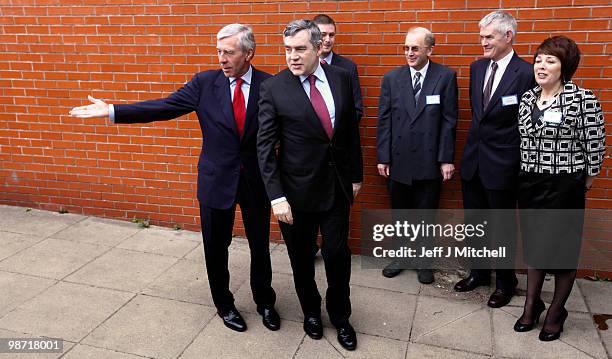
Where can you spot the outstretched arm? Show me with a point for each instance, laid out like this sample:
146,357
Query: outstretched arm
96,109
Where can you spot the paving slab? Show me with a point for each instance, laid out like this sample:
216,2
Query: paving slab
151,327
433,313
35,222
11,243
159,240
188,281
422,351
100,231
405,282
52,258
382,313
15,289
66,310
81,351
598,295
11,334
471,333
578,340
217,341
123,269
368,346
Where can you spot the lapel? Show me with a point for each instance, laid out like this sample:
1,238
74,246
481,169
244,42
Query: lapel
506,81
406,91
334,85
479,75
221,89
427,87
295,91
251,110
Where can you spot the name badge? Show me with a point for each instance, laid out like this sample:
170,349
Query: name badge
432,100
552,117
509,100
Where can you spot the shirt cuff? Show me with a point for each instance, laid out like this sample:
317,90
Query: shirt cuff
111,113
278,200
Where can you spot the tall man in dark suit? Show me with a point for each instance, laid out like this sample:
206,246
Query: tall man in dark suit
417,116
226,102
308,111
490,163
327,25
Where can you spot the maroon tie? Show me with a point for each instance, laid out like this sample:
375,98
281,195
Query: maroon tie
319,106
238,105
323,62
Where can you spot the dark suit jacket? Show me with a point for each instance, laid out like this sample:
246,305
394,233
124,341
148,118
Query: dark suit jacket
224,152
309,169
492,147
415,140
351,67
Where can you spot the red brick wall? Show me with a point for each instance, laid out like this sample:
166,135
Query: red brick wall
53,56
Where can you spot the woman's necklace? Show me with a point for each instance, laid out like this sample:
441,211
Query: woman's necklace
545,101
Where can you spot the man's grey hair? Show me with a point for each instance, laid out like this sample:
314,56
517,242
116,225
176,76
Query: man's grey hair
502,20
299,25
246,39
430,40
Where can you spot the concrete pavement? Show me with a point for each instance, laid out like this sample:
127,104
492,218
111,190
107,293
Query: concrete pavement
110,289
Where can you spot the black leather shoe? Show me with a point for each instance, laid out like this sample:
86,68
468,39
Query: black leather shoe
269,318
392,269
313,327
500,298
522,327
470,283
233,320
347,337
425,276
550,336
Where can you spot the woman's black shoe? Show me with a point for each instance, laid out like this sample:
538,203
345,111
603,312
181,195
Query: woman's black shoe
522,327
548,337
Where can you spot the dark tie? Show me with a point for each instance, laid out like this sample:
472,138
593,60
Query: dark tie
486,96
416,87
319,106
238,105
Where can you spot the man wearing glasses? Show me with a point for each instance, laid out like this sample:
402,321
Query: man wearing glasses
417,116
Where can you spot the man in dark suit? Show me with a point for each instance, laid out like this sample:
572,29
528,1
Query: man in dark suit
417,116
490,163
226,102
307,112
327,26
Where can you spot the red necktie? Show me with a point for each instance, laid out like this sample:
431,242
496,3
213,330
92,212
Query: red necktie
319,106
238,105
323,62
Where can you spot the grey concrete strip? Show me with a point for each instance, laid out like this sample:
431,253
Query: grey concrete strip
68,311
433,313
405,282
152,327
217,341
35,222
52,258
101,231
123,269
15,289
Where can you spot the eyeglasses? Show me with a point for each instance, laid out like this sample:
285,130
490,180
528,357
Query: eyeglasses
415,48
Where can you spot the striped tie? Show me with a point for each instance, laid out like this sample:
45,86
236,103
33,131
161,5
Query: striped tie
416,88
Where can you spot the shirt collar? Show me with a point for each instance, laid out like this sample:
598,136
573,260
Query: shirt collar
423,71
503,63
328,58
318,72
246,77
